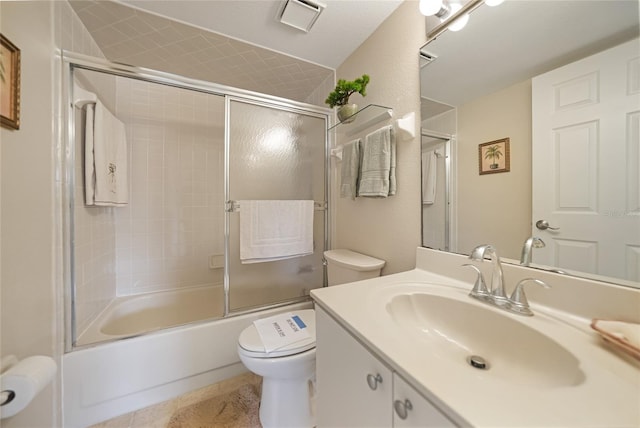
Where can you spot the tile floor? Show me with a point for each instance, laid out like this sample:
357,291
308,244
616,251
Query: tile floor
158,416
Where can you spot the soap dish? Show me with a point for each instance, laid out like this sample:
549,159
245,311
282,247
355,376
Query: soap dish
623,335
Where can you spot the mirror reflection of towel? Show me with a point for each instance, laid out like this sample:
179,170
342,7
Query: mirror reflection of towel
429,174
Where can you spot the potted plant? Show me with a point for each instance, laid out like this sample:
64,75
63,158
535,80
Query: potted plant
494,154
340,97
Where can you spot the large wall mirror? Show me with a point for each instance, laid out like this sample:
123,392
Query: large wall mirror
531,128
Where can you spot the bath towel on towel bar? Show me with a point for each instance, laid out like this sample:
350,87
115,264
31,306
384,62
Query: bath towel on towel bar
378,164
105,161
349,169
275,230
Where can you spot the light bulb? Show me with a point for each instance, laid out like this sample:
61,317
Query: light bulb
430,7
459,23
493,2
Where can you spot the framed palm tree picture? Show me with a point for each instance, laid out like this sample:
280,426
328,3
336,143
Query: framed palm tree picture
9,84
494,156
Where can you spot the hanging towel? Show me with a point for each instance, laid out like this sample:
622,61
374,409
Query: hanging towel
105,164
429,174
275,230
378,164
350,169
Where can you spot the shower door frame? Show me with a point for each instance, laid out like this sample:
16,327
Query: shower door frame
228,202
450,213
66,165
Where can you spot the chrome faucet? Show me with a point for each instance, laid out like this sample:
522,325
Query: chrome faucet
496,295
529,245
496,290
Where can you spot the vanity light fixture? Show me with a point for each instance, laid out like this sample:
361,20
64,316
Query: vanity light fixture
456,17
444,10
433,7
300,14
460,22
447,9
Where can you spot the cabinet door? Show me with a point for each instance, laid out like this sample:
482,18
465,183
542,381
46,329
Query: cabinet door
344,397
413,410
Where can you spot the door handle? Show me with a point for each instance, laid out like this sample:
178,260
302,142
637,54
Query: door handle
544,225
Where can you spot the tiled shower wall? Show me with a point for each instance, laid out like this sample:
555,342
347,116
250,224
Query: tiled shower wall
94,257
171,234
94,250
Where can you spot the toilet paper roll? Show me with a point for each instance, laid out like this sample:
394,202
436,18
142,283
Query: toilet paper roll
25,379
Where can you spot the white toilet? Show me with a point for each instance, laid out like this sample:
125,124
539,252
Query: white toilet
288,372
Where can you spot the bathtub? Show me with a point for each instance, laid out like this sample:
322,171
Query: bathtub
128,316
121,376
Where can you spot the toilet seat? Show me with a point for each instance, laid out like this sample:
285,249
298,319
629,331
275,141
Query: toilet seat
250,343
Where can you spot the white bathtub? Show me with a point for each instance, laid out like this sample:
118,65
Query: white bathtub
121,376
133,315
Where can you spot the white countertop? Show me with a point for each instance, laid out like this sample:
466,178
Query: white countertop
608,395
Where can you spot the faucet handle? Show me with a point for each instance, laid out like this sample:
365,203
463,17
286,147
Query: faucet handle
518,301
480,287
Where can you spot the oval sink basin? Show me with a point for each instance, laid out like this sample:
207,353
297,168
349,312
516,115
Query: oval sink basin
456,329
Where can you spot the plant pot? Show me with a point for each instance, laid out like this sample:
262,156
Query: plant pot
346,113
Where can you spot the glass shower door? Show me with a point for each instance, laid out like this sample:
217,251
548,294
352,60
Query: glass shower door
274,154
435,193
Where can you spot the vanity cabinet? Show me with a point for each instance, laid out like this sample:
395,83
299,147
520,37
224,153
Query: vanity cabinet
356,389
421,412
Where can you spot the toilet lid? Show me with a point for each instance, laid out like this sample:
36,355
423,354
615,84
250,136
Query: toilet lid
251,343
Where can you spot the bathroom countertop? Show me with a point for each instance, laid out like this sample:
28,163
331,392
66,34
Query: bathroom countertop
607,395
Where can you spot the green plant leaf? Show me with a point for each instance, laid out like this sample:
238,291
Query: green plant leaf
345,88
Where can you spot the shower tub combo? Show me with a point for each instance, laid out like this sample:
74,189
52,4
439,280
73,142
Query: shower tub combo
150,315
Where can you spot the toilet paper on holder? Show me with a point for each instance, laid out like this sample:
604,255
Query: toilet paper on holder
23,381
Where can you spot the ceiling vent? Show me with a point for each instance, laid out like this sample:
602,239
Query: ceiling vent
426,58
300,14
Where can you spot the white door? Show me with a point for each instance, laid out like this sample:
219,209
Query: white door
586,181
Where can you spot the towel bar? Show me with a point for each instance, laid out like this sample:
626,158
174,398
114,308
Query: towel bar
82,97
234,206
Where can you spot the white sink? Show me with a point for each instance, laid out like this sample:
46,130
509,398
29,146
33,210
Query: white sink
456,327
550,369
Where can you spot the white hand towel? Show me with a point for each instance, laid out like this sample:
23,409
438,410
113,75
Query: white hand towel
349,170
429,174
106,182
89,165
378,165
275,230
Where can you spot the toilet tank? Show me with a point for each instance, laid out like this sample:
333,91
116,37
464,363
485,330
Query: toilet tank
348,266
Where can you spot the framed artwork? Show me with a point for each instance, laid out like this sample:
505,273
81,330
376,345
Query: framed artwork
494,156
9,84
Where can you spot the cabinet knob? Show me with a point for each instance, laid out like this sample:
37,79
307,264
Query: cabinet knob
402,408
374,380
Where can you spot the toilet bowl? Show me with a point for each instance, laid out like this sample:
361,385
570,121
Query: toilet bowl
288,373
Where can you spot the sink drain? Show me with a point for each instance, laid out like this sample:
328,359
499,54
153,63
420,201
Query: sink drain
478,362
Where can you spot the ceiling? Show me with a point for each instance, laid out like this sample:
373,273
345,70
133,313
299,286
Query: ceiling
237,43
341,27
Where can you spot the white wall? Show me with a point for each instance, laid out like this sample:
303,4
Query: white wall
28,297
388,228
495,208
